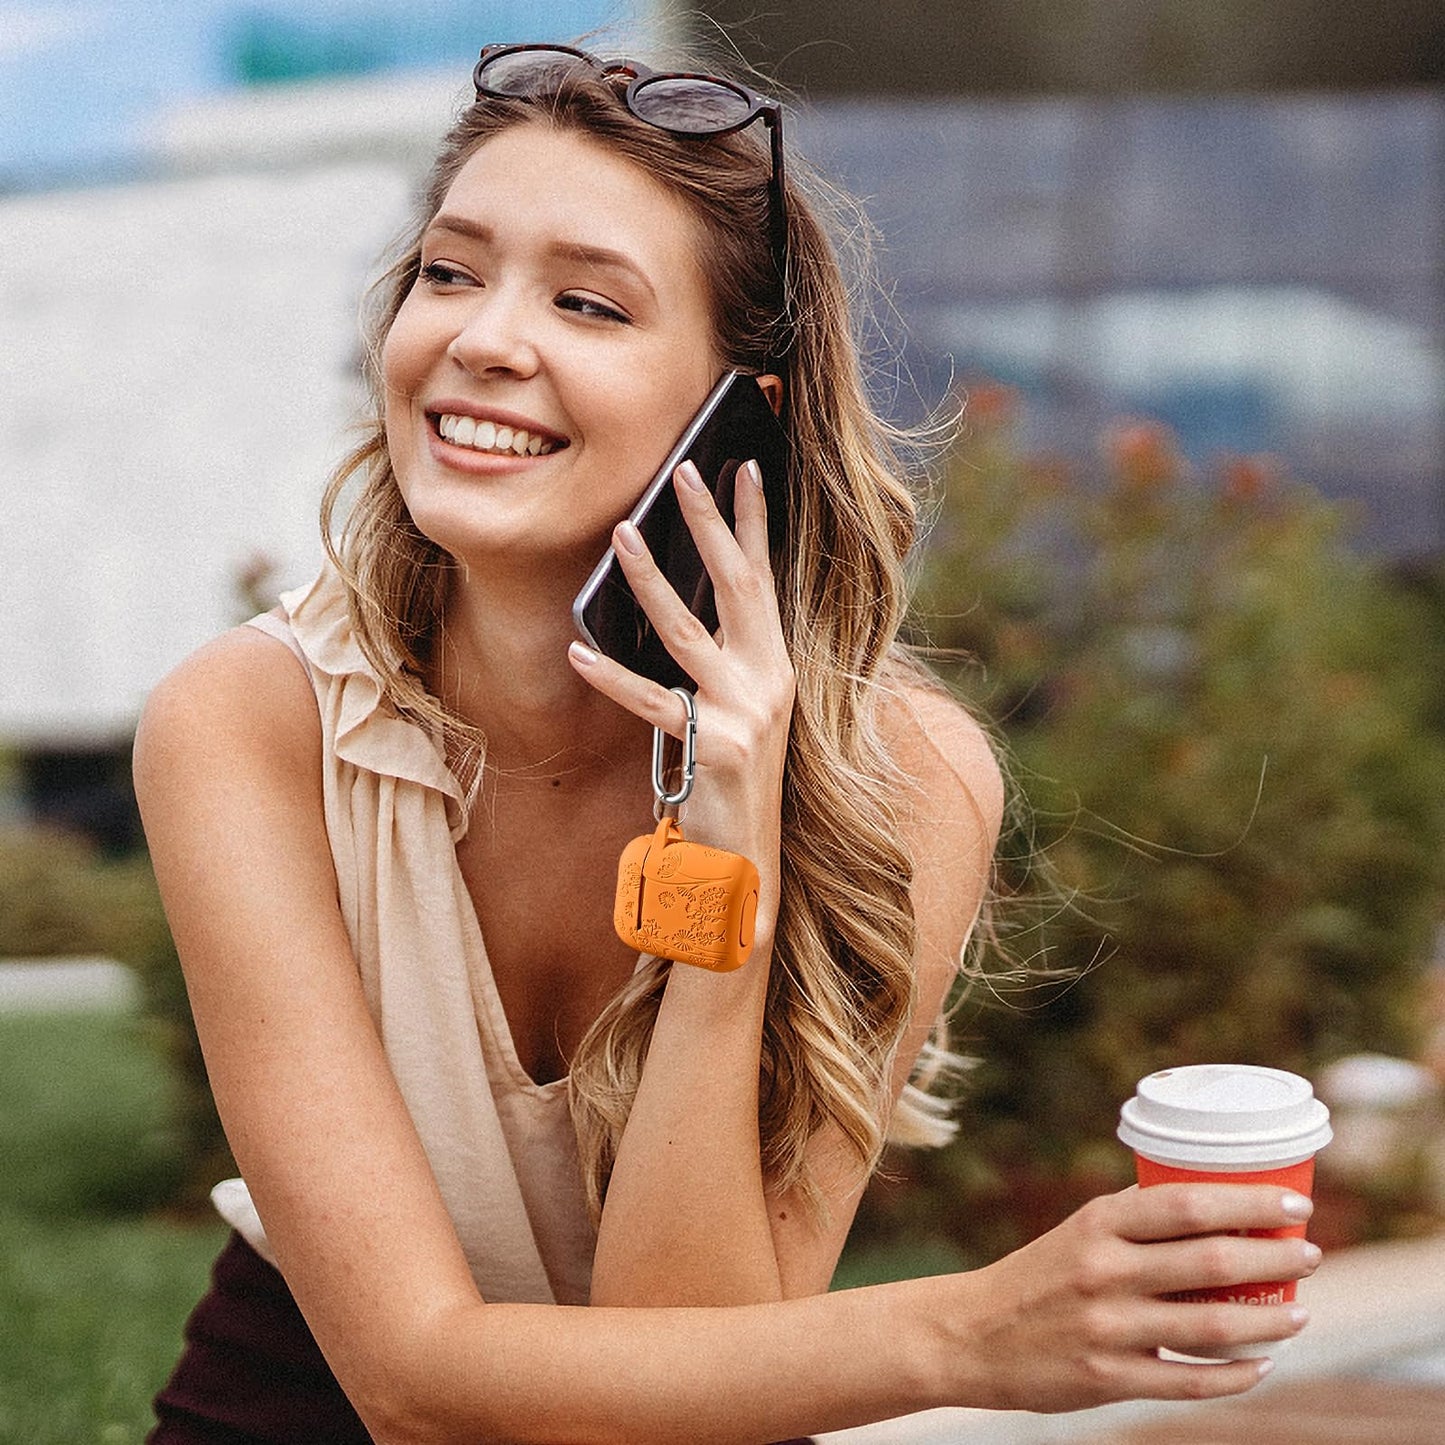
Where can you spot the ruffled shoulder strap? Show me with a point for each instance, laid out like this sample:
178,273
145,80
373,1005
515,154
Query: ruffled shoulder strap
365,728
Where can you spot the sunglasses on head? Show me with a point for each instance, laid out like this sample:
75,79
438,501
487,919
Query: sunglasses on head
678,103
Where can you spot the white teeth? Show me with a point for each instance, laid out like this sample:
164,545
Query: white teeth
486,436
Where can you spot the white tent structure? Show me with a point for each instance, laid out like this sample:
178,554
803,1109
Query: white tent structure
178,372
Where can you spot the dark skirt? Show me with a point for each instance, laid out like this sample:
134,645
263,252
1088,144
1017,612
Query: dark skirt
251,1373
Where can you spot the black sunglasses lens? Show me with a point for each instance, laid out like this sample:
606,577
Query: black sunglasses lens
690,105
522,73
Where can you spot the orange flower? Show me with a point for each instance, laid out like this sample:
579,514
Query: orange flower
1247,479
1142,455
988,404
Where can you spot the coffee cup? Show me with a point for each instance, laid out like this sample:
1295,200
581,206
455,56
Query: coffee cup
1223,1124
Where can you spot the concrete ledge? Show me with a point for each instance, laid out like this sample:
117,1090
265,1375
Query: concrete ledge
38,985
1374,1310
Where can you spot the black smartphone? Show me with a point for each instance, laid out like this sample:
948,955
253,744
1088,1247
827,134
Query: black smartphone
734,425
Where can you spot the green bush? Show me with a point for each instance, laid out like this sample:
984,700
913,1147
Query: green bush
92,1291
1225,724
59,896
87,1126
53,896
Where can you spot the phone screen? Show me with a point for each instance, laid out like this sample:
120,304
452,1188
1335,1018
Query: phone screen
734,425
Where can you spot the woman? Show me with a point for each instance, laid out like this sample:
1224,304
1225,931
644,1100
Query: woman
533,1188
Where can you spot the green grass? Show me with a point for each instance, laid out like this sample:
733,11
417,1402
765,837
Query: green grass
93,1292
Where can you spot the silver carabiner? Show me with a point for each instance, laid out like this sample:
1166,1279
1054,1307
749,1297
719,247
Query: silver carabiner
689,758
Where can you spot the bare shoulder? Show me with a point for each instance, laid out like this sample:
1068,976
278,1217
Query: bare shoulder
241,699
950,809
949,769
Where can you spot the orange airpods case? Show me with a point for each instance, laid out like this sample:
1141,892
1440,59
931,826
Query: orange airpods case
685,901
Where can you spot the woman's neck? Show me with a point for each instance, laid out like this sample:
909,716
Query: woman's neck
500,661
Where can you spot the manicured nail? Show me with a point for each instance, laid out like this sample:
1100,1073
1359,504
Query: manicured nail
1296,1206
689,473
1264,1367
630,538
1299,1317
1313,1253
582,654
755,474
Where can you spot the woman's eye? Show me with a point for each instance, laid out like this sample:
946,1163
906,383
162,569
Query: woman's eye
440,273
585,305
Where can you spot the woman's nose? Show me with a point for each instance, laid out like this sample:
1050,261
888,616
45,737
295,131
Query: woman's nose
496,337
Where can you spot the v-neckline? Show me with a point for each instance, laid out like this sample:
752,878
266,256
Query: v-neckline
493,1009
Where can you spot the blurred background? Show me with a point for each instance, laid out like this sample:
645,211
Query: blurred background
1181,266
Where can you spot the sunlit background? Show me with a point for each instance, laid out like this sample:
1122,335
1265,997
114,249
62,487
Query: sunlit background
1183,265
198,192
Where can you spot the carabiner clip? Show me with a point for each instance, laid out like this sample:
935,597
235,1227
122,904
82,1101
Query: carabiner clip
689,758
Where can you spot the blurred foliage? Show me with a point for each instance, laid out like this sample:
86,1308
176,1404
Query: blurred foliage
93,1284
54,895
87,1128
59,895
1226,729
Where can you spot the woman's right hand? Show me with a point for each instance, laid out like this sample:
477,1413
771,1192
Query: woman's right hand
1075,1318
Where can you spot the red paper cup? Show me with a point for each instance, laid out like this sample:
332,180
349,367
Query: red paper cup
1299,1177
1228,1124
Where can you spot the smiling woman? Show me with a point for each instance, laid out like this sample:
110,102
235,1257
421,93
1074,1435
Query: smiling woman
506,1179
559,298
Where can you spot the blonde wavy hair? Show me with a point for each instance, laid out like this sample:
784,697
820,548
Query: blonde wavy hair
842,983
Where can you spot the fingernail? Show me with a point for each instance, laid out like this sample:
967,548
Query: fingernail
630,538
1299,1317
755,473
689,473
1313,1253
1264,1367
582,654
1297,1206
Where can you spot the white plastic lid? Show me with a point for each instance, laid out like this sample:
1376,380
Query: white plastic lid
1224,1116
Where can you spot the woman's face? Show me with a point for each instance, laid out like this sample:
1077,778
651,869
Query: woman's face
557,341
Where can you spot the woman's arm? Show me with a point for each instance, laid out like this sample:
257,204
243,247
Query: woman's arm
228,776
1071,1321
688,1219
229,781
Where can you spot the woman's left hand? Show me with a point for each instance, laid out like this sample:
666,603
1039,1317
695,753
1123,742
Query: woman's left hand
745,680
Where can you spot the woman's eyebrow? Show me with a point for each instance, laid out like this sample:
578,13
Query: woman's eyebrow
461,226
605,259
598,257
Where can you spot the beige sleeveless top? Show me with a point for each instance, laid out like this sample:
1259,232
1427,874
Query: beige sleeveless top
502,1147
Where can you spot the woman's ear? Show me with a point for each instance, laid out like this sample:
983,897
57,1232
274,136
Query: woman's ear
773,389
